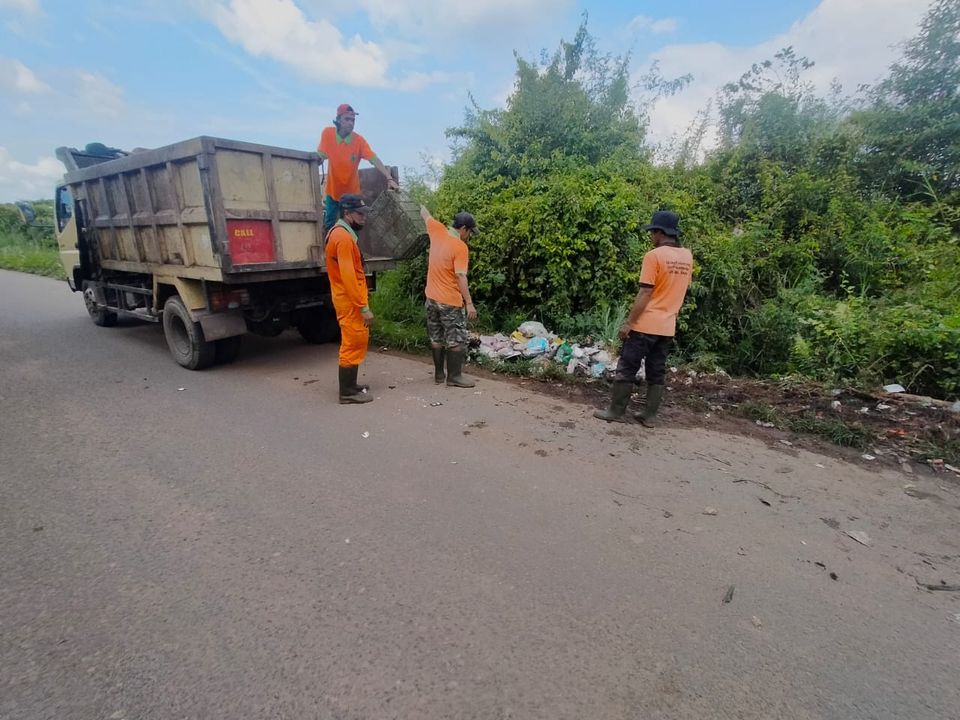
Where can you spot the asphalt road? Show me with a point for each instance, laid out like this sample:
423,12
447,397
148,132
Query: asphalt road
234,544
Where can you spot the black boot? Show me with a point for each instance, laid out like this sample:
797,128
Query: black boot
455,376
349,393
439,355
619,397
649,412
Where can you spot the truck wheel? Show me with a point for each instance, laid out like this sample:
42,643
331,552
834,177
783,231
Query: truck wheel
99,314
318,325
226,350
185,337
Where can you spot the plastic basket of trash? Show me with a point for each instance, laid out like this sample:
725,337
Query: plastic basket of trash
394,228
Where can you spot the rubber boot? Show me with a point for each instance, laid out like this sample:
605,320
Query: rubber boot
349,394
439,355
619,397
361,387
455,376
649,413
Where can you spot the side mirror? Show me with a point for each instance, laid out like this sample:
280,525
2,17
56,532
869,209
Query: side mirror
26,211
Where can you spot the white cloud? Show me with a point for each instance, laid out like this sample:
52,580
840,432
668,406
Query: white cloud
278,29
451,19
16,76
315,48
98,95
850,40
645,23
28,181
25,5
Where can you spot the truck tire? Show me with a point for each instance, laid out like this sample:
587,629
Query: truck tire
98,313
185,337
226,350
318,325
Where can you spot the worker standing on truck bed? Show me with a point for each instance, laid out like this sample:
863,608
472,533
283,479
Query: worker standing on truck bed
348,286
345,149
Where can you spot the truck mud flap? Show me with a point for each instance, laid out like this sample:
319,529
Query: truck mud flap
217,326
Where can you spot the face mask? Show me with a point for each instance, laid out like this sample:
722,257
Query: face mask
357,227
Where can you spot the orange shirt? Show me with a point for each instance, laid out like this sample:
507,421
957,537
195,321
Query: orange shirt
343,156
668,269
448,256
348,284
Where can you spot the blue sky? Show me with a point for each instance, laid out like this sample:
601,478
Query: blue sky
153,72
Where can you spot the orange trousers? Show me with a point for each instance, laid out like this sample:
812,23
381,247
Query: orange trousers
354,336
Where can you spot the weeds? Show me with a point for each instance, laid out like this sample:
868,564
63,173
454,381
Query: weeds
29,255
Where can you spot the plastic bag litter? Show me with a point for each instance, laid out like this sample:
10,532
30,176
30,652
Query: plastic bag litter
597,370
536,346
532,328
564,353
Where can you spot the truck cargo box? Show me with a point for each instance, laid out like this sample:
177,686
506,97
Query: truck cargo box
210,209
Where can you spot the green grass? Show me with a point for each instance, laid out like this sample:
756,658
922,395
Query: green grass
400,320
29,256
844,434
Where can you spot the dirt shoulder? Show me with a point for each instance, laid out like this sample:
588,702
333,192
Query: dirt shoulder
874,430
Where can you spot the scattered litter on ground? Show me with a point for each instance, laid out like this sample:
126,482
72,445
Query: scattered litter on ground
951,468
728,595
533,340
436,403
392,387
667,514
868,456
765,502
741,552
834,576
787,443
757,622
709,511
821,465
761,423
305,382
180,389
894,388
365,434
859,535
836,405
937,464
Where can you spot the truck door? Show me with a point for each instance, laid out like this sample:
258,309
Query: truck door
67,238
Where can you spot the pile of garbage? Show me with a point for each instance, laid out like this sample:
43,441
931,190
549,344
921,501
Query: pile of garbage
533,341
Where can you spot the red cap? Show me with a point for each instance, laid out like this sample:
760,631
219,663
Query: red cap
345,108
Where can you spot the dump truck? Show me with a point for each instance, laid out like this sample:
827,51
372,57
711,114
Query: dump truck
212,238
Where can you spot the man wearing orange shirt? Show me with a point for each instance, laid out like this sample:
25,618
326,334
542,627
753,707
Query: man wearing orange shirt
344,149
650,327
348,286
449,304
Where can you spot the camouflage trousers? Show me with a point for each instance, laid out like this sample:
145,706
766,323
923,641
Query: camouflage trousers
446,324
